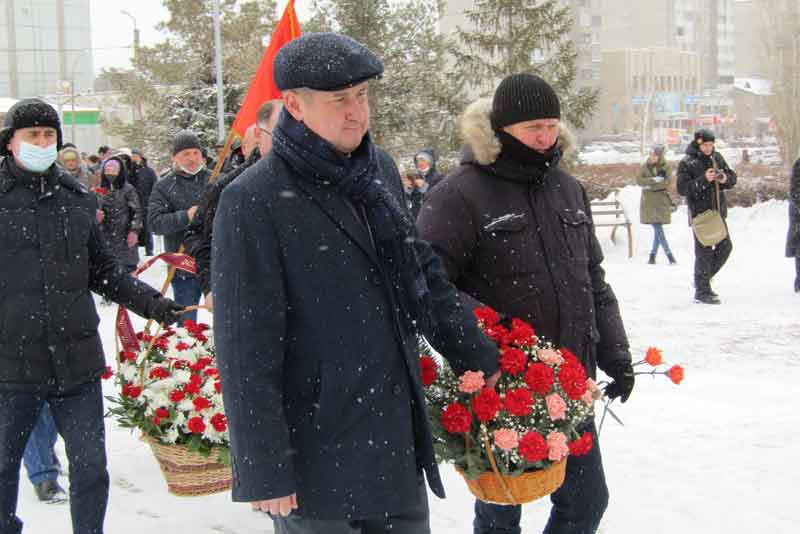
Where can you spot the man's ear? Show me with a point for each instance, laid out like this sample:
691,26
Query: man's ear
294,104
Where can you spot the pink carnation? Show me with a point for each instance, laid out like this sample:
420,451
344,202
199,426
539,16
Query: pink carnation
556,406
557,448
506,439
550,357
471,381
593,392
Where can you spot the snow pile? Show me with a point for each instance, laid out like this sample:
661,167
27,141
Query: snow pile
714,455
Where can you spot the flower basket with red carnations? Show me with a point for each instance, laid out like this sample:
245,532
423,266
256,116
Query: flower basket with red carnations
510,442
170,390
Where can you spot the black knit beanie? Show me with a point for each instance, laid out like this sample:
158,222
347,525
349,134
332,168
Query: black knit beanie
185,139
29,113
523,97
704,135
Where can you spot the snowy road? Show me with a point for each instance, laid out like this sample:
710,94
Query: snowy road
714,455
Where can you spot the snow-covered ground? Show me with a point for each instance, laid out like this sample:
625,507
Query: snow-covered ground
713,455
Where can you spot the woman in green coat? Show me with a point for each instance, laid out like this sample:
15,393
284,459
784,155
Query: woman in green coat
656,206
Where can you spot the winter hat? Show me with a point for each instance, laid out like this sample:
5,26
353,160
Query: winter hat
523,97
111,165
138,152
704,136
324,62
184,140
29,113
657,150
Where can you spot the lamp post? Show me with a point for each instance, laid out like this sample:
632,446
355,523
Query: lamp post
218,57
135,35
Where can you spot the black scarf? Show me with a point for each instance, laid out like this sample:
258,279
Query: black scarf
359,179
519,163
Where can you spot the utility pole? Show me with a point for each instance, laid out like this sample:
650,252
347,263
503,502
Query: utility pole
135,35
218,55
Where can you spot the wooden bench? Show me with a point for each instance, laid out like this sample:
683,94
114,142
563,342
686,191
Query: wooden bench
610,213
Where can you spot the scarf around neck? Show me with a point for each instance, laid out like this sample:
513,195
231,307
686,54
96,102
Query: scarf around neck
359,179
519,163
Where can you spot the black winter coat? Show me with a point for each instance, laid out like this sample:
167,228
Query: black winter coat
526,249
123,214
321,380
143,179
172,196
700,193
51,258
793,238
200,232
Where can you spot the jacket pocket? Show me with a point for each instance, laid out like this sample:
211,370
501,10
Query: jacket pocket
575,225
504,247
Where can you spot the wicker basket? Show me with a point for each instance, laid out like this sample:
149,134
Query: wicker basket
495,488
189,473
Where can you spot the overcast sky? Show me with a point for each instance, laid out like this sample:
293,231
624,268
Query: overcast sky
111,30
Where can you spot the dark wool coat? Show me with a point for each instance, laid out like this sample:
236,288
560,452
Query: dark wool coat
172,196
527,251
51,258
656,204
700,193
200,232
143,178
123,214
793,239
320,377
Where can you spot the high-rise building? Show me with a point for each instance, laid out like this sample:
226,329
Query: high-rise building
45,47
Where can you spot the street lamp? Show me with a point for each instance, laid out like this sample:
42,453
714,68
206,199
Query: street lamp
135,35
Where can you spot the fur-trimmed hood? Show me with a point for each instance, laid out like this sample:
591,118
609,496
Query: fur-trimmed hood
481,140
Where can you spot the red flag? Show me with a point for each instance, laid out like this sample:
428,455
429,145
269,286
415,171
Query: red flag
263,87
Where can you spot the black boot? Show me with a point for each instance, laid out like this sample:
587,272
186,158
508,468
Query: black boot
49,491
671,258
652,260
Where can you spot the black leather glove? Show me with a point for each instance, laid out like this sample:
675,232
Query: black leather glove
624,379
165,311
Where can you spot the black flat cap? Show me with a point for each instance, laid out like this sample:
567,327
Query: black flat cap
324,62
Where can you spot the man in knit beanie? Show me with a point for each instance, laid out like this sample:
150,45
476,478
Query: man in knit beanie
525,245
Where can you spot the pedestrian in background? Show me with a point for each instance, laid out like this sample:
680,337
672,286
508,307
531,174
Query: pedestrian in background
793,239
655,208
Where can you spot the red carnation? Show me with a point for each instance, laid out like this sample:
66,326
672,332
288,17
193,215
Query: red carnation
533,447
486,404
108,373
539,378
513,361
129,390
211,371
177,396
196,425
569,356
427,367
201,403
181,364
573,379
161,343
201,364
191,389
163,413
219,422
127,356
199,337
518,401
456,419
159,372
675,373
486,316
190,325
582,445
521,333
218,386
498,333
182,346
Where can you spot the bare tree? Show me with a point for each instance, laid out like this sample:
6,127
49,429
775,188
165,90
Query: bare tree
780,52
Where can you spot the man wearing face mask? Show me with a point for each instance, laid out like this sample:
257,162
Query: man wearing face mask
173,205
51,258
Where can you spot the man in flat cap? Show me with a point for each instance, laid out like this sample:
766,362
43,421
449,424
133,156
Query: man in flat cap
51,259
321,287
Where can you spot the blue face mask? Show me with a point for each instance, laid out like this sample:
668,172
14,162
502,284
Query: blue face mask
35,158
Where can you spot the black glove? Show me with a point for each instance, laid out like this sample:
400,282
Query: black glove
662,173
165,311
622,373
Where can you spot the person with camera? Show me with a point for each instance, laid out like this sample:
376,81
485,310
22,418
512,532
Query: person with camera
703,177
656,205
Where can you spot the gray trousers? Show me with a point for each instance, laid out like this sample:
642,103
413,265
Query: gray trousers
414,521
